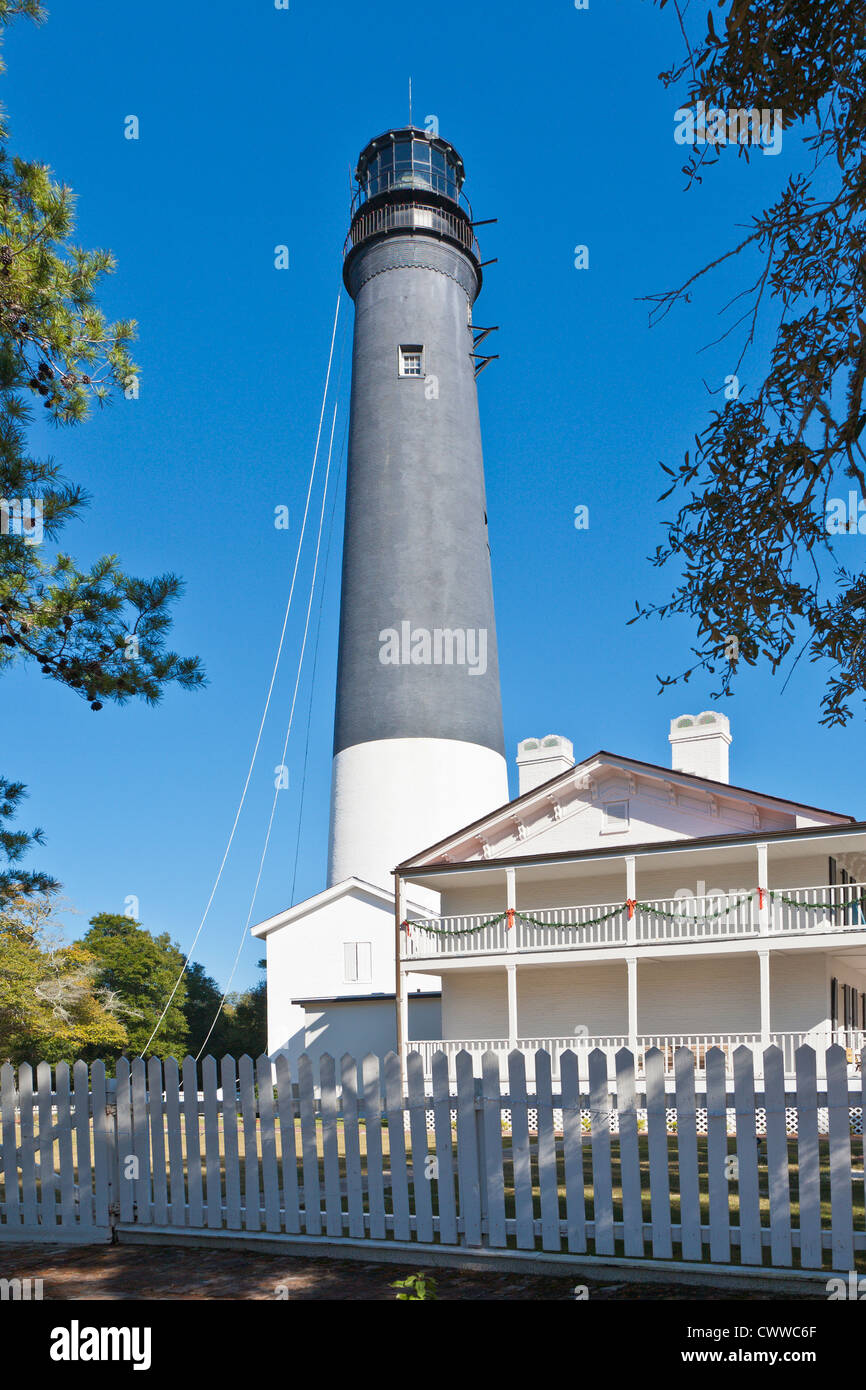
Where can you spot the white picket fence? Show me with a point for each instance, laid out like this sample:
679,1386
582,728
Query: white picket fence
371,1156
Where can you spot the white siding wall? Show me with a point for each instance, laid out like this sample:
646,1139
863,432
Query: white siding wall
475,1004
718,994
336,1028
555,1002
593,883
306,959
799,994
699,996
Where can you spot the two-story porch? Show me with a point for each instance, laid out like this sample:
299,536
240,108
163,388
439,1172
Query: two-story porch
696,943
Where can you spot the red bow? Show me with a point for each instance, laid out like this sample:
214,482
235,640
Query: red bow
510,915
760,898
631,904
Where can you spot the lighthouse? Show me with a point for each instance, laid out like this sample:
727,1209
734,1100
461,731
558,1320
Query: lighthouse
418,746
418,741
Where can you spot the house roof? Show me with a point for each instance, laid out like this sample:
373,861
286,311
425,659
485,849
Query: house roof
366,998
421,872
651,769
356,886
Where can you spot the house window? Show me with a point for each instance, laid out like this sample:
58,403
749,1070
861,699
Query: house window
411,359
357,962
615,815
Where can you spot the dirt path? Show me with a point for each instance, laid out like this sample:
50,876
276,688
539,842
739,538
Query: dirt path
119,1272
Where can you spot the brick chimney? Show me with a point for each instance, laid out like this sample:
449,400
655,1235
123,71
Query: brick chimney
539,759
700,743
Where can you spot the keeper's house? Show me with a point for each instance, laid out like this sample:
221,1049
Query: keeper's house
617,903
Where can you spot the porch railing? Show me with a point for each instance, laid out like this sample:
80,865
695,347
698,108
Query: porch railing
853,1039
715,916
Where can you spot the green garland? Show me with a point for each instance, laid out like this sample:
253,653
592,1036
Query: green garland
828,907
701,917
569,926
422,924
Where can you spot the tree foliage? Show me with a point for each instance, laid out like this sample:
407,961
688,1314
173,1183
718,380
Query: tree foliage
52,1005
140,970
759,574
96,630
241,1023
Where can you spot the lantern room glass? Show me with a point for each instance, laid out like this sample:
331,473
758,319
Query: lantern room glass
411,163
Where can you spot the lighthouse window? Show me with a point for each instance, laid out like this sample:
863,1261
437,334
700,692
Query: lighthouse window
411,360
357,958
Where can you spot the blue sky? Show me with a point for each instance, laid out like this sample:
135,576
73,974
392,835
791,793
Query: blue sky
250,121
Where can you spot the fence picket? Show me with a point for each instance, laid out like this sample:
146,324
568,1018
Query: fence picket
778,1173
81,1101
862,1061
252,1198
8,1101
421,1174
171,1084
808,1159
288,1146
397,1147
747,1157
629,1154
660,1189
373,1143
125,1153
157,1142
231,1142
467,1150
309,1148
212,1144
687,1155
29,1202
333,1198
444,1150
192,1139
839,1125
602,1177
84,1174
64,1145
548,1187
104,1155
520,1152
270,1175
352,1145
717,1156
140,1142
493,1176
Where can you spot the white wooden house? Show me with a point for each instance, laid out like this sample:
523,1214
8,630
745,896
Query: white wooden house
620,903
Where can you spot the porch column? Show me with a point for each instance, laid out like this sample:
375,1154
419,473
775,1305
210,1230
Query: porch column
511,904
511,971
764,962
630,892
631,966
764,910
402,1003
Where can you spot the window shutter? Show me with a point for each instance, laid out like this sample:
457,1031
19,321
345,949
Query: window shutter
834,1003
365,953
350,961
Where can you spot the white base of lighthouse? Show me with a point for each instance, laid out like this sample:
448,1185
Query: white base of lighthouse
393,797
